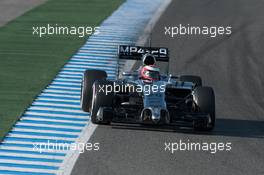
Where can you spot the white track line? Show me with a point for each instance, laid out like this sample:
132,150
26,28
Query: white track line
57,109
30,162
28,170
49,125
31,155
44,131
55,104
61,91
53,120
55,99
39,137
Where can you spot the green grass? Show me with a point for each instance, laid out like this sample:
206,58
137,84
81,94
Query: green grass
28,63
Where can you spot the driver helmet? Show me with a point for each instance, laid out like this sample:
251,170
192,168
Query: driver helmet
150,73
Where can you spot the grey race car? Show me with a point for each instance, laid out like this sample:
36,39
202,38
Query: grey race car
177,100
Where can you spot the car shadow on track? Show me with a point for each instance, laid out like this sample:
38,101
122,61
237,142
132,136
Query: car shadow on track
224,127
240,128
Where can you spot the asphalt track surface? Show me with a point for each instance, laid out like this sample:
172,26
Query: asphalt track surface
232,65
10,9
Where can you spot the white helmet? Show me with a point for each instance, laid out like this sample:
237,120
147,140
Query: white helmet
150,73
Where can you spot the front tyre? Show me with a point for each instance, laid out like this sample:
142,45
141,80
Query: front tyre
103,96
204,99
89,77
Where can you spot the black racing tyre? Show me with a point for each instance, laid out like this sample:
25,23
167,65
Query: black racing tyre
192,78
89,77
101,99
205,101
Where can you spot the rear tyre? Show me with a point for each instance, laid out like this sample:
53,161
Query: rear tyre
192,78
205,101
89,77
102,99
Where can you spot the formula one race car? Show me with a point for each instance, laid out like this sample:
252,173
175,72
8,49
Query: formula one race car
145,96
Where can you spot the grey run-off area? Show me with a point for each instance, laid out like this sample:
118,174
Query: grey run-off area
11,9
232,65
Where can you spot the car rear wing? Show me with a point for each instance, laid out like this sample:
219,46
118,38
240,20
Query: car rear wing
136,52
